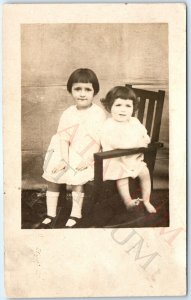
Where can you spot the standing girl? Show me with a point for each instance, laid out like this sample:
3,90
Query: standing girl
69,158
123,131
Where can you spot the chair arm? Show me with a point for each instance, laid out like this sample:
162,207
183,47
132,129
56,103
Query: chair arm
126,152
100,156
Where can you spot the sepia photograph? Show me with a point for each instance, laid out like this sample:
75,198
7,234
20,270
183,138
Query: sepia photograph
94,138
95,125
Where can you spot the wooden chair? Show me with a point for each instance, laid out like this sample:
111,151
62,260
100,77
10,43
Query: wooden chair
150,114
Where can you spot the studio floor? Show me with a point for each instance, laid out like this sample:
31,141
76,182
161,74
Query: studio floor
108,212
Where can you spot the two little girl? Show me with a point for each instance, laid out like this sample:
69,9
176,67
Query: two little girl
82,129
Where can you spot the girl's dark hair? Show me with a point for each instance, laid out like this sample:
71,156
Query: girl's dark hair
83,76
122,92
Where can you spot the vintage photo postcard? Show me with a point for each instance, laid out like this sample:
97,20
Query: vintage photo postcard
94,108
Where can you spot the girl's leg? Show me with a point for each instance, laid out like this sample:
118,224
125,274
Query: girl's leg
146,189
123,188
52,195
77,202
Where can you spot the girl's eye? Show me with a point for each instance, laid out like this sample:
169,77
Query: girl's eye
117,104
79,89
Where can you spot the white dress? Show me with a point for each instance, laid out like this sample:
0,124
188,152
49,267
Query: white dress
80,130
123,135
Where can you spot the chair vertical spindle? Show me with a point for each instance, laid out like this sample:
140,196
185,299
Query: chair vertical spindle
158,114
149,119
141,109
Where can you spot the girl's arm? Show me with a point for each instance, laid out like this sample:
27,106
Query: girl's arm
63,140
145,138
140,132
64,149
64,136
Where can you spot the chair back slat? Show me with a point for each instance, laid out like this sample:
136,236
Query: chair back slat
150,114
141,108
145,93
158,116
150,110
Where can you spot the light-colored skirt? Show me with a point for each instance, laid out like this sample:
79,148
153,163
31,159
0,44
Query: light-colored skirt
69,176
122,167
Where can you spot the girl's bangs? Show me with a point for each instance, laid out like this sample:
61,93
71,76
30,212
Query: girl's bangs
84,78
124,94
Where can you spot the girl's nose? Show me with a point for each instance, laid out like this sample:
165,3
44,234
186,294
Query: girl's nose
82,93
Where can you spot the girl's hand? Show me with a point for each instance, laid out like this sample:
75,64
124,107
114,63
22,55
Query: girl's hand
82,166
61,166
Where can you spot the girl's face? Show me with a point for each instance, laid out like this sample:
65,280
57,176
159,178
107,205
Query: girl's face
122,109
83,94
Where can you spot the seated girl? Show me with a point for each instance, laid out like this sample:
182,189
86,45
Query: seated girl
123,131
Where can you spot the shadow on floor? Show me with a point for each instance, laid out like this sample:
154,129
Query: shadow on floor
109,212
